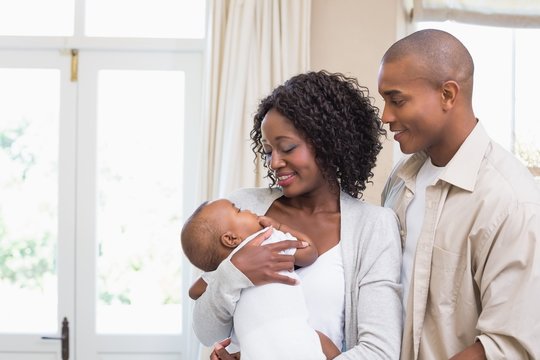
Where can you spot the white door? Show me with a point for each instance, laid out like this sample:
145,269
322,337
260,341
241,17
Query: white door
37,202
92,190
136,135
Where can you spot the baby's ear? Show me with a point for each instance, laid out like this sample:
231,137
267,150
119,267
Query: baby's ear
230,239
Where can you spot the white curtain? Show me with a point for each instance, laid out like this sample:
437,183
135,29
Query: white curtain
255,45
507,13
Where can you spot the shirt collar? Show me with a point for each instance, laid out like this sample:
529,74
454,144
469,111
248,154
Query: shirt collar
462,170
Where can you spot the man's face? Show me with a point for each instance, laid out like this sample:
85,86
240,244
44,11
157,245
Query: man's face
413,106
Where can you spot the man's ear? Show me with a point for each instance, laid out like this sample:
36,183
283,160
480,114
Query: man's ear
230,239
449,93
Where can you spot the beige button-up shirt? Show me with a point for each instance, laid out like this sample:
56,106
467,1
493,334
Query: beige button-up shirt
476,273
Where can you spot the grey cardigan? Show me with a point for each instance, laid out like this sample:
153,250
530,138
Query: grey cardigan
371,252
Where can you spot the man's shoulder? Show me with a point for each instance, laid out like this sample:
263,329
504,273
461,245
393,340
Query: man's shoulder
505,174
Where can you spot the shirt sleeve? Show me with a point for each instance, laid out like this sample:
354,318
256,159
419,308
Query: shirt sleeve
510,287
213,311
379,308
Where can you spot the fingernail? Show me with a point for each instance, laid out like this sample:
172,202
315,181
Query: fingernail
305,244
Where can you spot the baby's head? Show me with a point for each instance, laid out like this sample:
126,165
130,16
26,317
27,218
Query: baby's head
213,230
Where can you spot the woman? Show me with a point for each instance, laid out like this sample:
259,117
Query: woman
319,136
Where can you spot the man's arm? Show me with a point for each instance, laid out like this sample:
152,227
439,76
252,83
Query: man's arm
509,292
473,352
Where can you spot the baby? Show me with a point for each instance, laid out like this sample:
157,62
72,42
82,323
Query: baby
270,321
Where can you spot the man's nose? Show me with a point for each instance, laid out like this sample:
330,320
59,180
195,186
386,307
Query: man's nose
387,115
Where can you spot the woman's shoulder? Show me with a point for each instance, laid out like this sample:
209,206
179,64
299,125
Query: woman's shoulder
356,207
375,226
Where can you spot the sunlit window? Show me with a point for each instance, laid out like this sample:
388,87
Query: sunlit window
28,199
140,119
146,18
168,19
505,84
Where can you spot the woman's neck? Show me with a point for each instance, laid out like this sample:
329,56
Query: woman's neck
321,200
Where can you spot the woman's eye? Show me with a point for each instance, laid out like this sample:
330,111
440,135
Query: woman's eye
289,149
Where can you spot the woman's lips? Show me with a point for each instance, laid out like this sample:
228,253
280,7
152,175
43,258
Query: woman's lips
285,179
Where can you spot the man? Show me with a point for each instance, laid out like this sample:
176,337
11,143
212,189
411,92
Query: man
469,212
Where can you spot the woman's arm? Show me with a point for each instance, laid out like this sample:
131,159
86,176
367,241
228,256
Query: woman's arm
251,265
303,256
213,310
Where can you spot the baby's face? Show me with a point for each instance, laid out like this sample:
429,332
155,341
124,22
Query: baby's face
241,222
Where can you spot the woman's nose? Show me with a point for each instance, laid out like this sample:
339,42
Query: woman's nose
276,162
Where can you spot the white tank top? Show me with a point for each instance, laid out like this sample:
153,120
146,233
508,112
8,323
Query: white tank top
323,283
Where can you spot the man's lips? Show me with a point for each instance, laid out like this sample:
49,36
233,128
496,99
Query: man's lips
397,133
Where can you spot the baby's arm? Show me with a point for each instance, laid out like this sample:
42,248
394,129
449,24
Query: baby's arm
197,289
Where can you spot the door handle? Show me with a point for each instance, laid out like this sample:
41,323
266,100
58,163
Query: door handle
64,339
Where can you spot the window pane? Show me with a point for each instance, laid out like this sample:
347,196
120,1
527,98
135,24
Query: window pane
140,132
493,75
146,18
36,17
28,191
527,127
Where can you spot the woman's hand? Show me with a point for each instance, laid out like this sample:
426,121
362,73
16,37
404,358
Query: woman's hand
304,256
219,352
262,264
268,221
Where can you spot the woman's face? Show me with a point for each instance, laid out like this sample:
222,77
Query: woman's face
290,156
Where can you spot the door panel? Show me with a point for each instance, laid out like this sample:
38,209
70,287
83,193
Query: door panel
133,123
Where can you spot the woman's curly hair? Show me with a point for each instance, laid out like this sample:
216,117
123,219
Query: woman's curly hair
335,115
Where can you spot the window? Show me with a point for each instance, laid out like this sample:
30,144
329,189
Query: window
102,104
505,85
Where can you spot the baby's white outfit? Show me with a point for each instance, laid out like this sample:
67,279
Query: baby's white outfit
271,321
